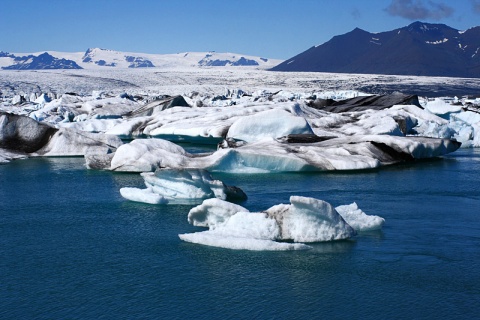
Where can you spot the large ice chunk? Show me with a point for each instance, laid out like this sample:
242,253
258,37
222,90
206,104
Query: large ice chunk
144,155
273,123
267,155
179,186
304,220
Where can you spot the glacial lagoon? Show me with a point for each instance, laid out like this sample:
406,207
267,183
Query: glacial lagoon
73,248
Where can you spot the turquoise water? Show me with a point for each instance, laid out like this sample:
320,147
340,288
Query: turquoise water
72,248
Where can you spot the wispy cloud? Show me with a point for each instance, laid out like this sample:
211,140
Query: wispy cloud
476,6
356,14
419,9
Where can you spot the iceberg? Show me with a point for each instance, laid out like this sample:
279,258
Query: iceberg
358,219
181,186
304,220
25,135
268,155
142,155
268,124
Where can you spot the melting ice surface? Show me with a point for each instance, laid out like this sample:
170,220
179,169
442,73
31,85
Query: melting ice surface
303,220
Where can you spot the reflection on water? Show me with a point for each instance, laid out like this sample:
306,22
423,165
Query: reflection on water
333,247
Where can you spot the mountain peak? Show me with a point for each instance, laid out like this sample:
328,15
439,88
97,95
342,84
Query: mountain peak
424,27
357,29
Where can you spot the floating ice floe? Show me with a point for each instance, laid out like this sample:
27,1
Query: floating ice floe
181,186
304,220
268,155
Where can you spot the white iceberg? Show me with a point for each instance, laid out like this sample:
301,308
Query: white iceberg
358,220
268,124
304,220
181,186
144,155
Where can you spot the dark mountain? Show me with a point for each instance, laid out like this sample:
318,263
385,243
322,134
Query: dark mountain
6,55
43,61
420,49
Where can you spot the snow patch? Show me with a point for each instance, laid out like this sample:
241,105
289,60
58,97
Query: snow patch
437,42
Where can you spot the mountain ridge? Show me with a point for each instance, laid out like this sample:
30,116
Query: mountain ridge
98,58
419,49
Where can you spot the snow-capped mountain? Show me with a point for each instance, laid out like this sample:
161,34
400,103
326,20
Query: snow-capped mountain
96,58
420,49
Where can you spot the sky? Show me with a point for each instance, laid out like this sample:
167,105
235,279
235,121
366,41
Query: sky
277,29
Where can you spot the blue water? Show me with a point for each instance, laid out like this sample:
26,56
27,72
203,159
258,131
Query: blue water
72,248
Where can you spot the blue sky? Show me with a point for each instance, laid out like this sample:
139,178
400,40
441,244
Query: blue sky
267,28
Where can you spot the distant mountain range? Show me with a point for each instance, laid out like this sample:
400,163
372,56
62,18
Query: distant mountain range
420,49
42,61
96,58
